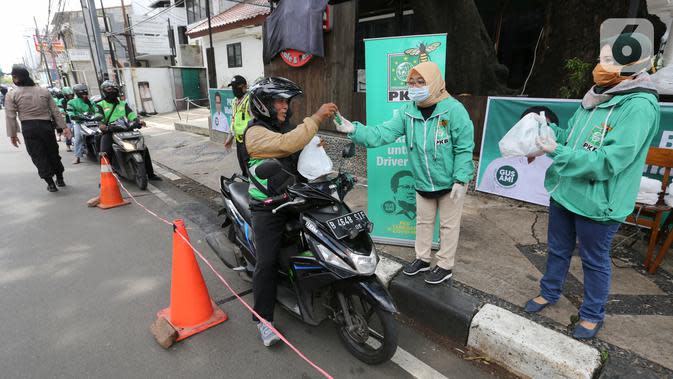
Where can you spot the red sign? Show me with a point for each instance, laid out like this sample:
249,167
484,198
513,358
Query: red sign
46,43
295,58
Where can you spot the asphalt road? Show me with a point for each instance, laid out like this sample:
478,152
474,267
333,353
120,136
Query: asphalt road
80,286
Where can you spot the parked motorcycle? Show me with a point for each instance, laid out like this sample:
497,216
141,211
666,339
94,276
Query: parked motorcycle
327,260
128,145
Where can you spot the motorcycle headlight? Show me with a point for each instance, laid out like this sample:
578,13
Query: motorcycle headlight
128,146
331,258
365,264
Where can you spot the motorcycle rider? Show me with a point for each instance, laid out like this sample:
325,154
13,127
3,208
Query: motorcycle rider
110,109
76,109
68,95
270,135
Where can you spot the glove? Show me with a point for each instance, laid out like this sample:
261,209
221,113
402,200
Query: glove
539,119
345,127
458,192
548,145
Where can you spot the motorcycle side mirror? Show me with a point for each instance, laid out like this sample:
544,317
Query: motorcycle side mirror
268,168
348,151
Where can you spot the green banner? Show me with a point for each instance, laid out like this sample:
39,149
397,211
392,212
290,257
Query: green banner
522,178
221,109
391,193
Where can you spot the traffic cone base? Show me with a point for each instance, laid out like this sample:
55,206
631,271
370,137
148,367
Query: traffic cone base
108,206
216,318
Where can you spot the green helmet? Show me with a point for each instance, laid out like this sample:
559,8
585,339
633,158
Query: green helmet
67,91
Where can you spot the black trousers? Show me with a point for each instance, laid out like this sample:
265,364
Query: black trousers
105,146
42,147
241,159
269,229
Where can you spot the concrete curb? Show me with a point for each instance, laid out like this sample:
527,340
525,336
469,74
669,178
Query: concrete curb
444,309
192,129
520,345
530,349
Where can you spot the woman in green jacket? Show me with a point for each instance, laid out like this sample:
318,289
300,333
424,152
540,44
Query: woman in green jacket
593,181
440,139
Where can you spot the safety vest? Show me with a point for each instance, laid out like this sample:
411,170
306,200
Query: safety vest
112,112
241,117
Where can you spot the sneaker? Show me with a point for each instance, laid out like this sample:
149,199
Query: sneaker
268,336
60,182
438,275
415,267
51,187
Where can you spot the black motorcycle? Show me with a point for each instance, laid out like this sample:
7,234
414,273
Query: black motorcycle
327,260
90,127
128,145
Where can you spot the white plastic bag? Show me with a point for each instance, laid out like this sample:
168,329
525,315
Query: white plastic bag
668,198
520,139
313,160
649,185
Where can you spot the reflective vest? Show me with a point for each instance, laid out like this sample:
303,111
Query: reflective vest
241,117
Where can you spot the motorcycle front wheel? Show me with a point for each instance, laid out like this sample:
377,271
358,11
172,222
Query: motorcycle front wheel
140,174
372,338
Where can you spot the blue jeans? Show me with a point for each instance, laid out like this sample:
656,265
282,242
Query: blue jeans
595,240
79,140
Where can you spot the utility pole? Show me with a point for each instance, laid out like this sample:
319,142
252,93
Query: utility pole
67,53
90,12
129,37
171,42
210,52
44,59
113,58
87,26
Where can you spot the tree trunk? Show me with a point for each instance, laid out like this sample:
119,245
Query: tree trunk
471,64
571,30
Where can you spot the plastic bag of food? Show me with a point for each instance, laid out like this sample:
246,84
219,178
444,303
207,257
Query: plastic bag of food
313,160
520,140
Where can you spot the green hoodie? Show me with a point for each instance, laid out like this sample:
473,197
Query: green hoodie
439,148
599,159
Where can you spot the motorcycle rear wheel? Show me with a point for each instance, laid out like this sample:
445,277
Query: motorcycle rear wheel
374,338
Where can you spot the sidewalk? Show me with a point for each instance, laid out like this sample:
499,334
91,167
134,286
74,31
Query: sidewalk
501,258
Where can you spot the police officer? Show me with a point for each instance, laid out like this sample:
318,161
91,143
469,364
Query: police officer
36,110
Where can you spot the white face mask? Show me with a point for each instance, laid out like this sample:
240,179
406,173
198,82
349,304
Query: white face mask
419,94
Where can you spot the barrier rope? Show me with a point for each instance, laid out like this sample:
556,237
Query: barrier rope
224,281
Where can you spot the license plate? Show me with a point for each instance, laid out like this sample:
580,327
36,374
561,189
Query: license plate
341,226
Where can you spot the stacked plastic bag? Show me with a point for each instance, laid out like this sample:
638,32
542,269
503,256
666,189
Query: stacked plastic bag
668,198
520,140
649,191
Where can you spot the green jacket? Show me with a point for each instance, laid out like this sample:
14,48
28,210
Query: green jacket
241,116
439,148
112,112
78,107
599,159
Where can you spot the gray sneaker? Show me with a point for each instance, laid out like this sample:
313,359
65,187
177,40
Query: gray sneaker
268,336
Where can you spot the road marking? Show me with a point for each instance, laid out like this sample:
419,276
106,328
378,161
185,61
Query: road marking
163,172
415,366
162,196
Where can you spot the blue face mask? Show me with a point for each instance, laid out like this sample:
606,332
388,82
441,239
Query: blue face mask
419,94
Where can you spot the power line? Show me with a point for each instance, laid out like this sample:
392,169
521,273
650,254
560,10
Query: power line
150,18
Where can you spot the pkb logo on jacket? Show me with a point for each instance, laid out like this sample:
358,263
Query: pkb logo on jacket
399,65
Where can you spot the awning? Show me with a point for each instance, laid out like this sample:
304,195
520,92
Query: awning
244,14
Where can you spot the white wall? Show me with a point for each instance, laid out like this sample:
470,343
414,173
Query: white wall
251,54
161,87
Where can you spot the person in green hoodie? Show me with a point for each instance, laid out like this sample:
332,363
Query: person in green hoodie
594,179
440,139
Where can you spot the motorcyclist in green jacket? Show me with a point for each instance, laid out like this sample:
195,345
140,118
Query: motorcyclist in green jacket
77,108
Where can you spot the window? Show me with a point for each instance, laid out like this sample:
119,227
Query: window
234,55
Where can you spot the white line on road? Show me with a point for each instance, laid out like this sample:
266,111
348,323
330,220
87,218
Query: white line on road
415,366
163,172
162,196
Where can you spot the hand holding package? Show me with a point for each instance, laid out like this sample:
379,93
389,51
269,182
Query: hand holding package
313,160
521,139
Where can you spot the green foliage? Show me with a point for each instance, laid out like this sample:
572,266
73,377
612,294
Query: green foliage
578,78
604,356
5,79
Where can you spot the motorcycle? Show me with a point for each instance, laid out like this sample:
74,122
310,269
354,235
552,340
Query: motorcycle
90,127
327,260
128,145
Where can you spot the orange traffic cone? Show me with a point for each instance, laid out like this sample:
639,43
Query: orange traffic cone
110,196
191,310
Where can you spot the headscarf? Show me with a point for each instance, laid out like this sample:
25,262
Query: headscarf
23,76
434,80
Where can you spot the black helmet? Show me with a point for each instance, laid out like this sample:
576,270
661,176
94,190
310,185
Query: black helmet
265,90
80,89
109,86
